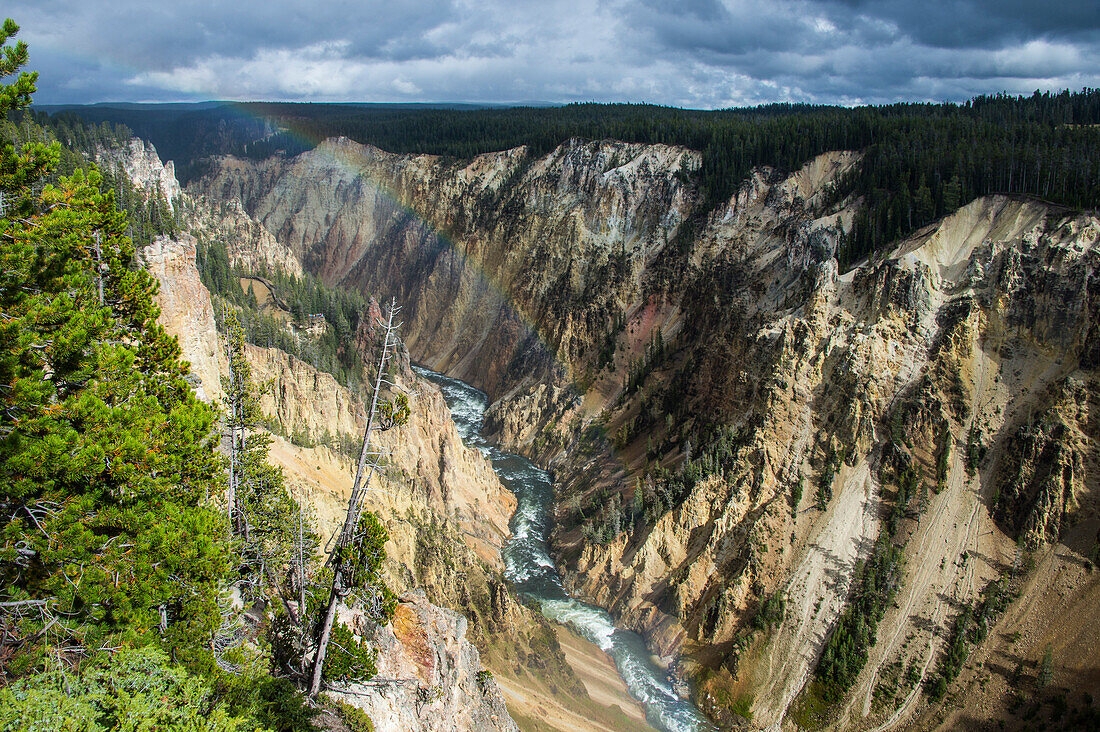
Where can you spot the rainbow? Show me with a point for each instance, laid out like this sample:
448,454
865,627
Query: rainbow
356,169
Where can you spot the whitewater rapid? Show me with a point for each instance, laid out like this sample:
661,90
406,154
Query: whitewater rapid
528,566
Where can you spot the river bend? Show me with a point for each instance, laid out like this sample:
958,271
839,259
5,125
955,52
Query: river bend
527,565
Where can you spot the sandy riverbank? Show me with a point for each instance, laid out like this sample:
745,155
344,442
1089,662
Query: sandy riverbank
609,708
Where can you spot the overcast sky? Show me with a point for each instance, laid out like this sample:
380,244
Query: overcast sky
694,53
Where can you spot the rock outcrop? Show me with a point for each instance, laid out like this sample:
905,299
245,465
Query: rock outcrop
139,162
186,312
430,677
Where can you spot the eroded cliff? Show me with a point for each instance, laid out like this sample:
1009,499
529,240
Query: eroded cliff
429,676
735,425
444,508
477,250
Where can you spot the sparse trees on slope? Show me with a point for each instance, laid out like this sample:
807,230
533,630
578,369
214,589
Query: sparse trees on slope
265,520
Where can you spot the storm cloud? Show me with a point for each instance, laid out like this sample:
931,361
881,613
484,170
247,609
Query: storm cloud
696,53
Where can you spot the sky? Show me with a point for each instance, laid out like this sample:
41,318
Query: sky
689,53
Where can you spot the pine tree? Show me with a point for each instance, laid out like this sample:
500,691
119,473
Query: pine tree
242,415
106,456
1046,667
265,520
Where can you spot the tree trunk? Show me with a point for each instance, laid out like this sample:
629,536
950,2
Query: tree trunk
351,520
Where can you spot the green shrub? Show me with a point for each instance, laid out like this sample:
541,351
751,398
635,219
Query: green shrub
135,689
348,659
282,708
354,718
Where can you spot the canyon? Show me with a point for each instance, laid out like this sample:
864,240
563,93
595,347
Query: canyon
444,508
727,415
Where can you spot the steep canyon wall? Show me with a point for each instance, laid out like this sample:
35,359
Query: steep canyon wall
728,415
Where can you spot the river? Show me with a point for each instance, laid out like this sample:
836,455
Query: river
528,566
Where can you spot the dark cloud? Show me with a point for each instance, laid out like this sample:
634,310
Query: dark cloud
703,53
754,26
984,23
156,35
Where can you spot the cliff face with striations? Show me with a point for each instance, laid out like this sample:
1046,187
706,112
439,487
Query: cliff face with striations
432,480
426,457
250,245
730,418
479,250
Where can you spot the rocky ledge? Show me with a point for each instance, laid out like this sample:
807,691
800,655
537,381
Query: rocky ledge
429,675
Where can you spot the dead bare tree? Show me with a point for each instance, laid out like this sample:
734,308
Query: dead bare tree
233,418
382,416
